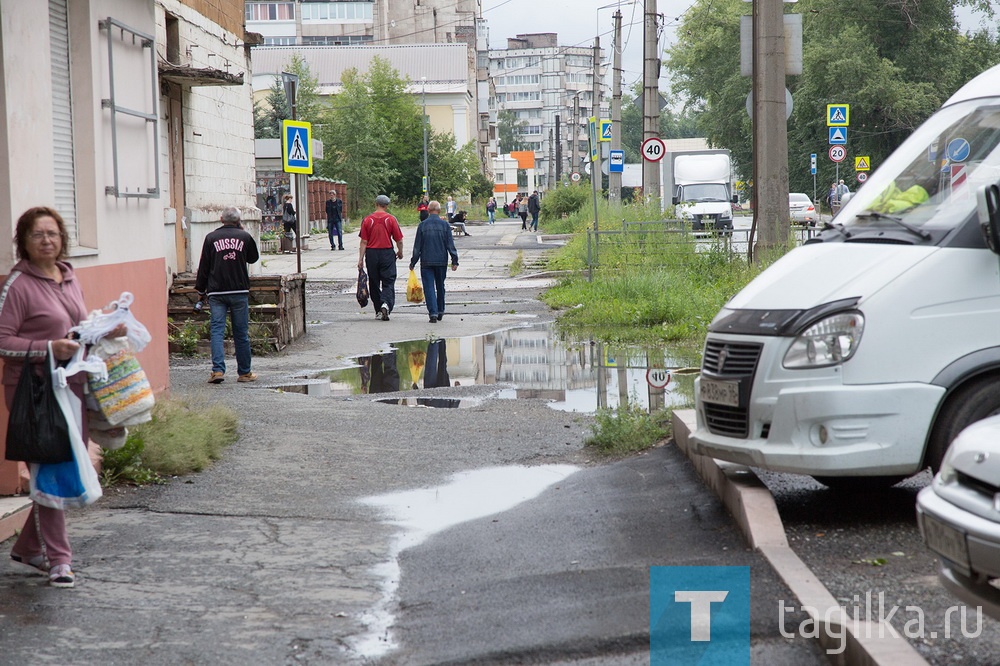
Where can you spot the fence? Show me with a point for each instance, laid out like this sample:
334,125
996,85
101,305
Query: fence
660,243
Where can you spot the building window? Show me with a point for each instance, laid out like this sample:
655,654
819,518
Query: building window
62,118
519,80
336,40
336,11
532,129
279,41
270,11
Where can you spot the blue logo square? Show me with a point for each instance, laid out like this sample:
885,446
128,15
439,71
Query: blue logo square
699,615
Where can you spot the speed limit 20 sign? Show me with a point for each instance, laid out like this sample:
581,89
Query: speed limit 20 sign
653,149
838,153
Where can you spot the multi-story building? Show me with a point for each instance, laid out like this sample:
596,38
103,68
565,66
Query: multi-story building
537,80
382,23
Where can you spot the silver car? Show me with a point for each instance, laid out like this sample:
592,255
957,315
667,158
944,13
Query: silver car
959,516
801,209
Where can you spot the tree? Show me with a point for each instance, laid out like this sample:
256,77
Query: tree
451,170
392,102
681,124
509,131
267,117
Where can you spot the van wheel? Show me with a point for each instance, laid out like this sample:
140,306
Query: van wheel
969,404
859,484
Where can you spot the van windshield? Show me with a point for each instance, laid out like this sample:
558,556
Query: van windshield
705,192
930,182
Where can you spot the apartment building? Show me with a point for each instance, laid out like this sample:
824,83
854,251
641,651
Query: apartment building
537,80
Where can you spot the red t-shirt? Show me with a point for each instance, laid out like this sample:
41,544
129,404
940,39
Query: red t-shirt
379,230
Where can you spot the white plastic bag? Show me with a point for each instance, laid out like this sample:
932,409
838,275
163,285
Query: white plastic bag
70,484
100,323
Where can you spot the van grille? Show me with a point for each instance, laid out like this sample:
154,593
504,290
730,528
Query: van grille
733,361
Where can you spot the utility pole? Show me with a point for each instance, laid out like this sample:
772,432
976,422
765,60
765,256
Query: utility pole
552,163
575,134
559,153
770,131
614,178
651,98
595,110
423,94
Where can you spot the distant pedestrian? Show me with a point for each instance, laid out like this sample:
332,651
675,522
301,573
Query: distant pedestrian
842,191
422,208
432,246
491,210
288,214
223,277
334,218
451,207
522,211
378,232
831,196
534,207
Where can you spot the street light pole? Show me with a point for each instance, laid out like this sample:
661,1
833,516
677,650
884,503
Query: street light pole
424,96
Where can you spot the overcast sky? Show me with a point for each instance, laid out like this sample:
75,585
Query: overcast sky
578,26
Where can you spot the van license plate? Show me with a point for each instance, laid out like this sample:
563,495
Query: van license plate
945,540
723,393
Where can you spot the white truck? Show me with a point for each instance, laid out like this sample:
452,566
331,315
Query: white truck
700,184
859,356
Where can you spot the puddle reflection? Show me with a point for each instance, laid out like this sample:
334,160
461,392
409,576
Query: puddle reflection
573,375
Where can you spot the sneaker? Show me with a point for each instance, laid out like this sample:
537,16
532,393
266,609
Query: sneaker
61,575
384,312
249,377
433,319
36,562
217,377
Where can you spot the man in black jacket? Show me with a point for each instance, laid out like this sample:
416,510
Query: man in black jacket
334,215
534,207
223,277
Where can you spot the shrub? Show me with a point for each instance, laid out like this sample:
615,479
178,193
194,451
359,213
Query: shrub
564,200
627,429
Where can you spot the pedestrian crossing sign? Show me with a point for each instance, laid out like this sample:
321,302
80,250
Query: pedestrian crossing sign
838,115
296,154
605,130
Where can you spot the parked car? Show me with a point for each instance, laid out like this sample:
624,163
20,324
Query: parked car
801,209
959,516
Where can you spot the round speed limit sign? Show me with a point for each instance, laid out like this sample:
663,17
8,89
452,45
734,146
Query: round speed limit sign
862,176
657,377
838,153
653,149
575,177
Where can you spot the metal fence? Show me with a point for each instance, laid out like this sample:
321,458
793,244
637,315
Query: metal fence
661,243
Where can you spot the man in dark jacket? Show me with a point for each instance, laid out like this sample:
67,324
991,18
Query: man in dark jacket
534,207
431,247
223,277
334,216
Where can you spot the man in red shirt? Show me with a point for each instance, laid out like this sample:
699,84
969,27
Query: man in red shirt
378,231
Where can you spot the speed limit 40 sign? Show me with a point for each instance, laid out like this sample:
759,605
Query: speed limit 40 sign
653,149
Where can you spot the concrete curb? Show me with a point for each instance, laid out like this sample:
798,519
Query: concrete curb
753,508
13,513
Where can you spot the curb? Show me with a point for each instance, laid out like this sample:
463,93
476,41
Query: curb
13,513
752,506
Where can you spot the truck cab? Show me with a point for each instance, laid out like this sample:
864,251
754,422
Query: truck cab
864,352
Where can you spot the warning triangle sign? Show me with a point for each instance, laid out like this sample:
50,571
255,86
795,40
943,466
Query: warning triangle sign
862,164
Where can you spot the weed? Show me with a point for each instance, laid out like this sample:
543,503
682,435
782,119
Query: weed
184,336
628,429
182,438
517,266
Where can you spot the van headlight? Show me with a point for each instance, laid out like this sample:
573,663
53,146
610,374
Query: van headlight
829,341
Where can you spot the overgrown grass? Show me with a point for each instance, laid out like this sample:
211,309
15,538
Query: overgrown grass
517,266
182,438
628,429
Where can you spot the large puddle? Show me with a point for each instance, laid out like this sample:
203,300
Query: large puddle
423,512
527,362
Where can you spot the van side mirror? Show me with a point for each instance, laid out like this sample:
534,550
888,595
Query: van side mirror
988,207
676,200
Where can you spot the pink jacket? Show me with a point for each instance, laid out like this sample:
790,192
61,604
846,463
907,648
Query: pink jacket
35,309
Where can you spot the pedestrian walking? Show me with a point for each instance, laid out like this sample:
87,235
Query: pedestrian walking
422,208
378,232
223,277
40,301
451,207
288,214
432,246
491,210
334,219
522,211
534,207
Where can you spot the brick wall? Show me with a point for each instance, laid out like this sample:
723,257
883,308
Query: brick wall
227,13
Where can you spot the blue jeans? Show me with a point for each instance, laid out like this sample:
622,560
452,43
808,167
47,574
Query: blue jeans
238,307
333,230
534,221
432,278
492,215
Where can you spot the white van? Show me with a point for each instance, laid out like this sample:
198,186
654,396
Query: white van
864,352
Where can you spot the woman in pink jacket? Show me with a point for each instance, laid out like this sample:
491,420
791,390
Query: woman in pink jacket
40,302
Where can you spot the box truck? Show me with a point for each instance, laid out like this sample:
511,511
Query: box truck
860,355
700,184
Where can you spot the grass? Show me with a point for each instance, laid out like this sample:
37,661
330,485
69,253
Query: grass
628,429
517,266
183,437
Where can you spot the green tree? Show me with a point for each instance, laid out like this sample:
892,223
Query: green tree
392,102
267,116
681,124
451,170
509,131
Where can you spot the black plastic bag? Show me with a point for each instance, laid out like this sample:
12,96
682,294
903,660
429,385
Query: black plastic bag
362,288
37,431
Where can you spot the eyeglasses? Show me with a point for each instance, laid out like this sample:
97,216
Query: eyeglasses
39,236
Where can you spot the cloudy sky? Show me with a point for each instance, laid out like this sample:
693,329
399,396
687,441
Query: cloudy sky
587,18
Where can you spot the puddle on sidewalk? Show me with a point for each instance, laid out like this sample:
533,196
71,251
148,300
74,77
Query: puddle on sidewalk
424,512
525,362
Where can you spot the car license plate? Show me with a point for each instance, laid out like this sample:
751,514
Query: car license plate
945,540
723,393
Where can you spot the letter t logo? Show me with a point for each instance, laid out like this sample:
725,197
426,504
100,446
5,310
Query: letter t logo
701,610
